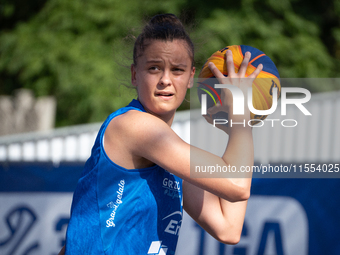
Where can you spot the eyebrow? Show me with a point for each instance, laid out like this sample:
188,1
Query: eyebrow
161,61
183,65
154,61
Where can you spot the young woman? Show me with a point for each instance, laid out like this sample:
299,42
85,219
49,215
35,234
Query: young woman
130,195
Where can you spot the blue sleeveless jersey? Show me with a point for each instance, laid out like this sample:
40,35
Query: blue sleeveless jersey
120,211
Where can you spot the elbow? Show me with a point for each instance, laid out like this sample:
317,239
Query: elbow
242,194
230,239
243,188
245,194
229,233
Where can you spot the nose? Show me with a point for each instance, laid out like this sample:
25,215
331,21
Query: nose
165,80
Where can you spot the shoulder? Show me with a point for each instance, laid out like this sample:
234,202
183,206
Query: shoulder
137,139
137,136
136,124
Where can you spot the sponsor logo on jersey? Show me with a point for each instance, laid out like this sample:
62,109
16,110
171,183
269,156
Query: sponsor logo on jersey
115,204
171,188
156,248
174,224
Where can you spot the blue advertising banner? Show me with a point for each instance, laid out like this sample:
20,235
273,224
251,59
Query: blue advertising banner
284,216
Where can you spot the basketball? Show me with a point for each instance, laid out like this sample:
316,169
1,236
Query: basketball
262,88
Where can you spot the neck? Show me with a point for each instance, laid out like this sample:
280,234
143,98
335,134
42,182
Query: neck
168,118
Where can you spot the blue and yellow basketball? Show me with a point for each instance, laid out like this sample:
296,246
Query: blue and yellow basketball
262,88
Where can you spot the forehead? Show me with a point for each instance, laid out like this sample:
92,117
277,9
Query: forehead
176,50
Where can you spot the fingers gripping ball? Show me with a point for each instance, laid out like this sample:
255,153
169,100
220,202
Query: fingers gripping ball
262,88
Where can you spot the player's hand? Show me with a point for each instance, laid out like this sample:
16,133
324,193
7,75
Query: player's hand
236,79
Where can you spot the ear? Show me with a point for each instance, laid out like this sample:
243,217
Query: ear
191,80
133,75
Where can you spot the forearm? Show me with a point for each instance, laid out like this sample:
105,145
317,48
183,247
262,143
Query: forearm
233,215
221,211
240,149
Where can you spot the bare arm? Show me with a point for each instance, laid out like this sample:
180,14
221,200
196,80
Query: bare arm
221,218
152,139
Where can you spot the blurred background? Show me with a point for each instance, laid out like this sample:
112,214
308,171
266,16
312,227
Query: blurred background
80,51
65,66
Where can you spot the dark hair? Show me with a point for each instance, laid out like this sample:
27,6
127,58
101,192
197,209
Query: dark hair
165,27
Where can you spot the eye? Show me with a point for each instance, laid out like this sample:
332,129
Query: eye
154,68
178,70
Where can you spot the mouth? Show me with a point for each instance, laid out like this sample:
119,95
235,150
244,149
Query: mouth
164,94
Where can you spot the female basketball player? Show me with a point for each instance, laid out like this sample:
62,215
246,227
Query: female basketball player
129,197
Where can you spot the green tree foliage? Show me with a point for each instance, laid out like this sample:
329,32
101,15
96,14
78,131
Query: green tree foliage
290,32
76,49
